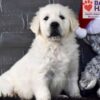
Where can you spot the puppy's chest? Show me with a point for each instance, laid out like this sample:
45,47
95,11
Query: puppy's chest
56,56
56,63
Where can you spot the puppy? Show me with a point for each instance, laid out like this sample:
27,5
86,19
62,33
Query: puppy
51,64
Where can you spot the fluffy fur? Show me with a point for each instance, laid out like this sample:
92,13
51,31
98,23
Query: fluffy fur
51,64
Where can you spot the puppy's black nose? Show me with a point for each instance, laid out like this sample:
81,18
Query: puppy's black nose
54,25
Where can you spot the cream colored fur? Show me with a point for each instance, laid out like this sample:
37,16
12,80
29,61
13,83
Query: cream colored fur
51,64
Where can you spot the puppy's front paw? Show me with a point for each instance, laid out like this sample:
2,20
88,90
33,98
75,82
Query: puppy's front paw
42,93
6,89
43,97
75,95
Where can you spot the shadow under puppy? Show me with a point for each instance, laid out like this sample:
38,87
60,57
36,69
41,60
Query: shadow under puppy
51,64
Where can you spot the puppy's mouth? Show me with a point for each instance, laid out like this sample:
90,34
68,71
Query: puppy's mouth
55,36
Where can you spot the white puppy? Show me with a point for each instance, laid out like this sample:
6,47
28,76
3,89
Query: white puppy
51,64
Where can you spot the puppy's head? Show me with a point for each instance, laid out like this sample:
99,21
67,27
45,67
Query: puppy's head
54,22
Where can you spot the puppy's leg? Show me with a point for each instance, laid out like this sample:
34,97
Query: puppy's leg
6,86
41,91
72,87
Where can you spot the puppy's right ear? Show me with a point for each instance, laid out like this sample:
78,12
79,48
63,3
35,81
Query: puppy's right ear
35,26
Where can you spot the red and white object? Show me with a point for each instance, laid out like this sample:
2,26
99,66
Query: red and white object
87,25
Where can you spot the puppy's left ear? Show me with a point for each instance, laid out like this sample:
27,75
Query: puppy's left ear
35,24
74,24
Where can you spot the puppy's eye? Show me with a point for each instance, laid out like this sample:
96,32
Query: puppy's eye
62,17
46,18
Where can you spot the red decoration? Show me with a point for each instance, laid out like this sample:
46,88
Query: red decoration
83,22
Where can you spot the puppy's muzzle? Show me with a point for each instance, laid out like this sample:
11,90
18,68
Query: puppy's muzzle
55,29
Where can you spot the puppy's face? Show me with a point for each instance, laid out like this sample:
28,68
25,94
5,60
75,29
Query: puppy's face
54,22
